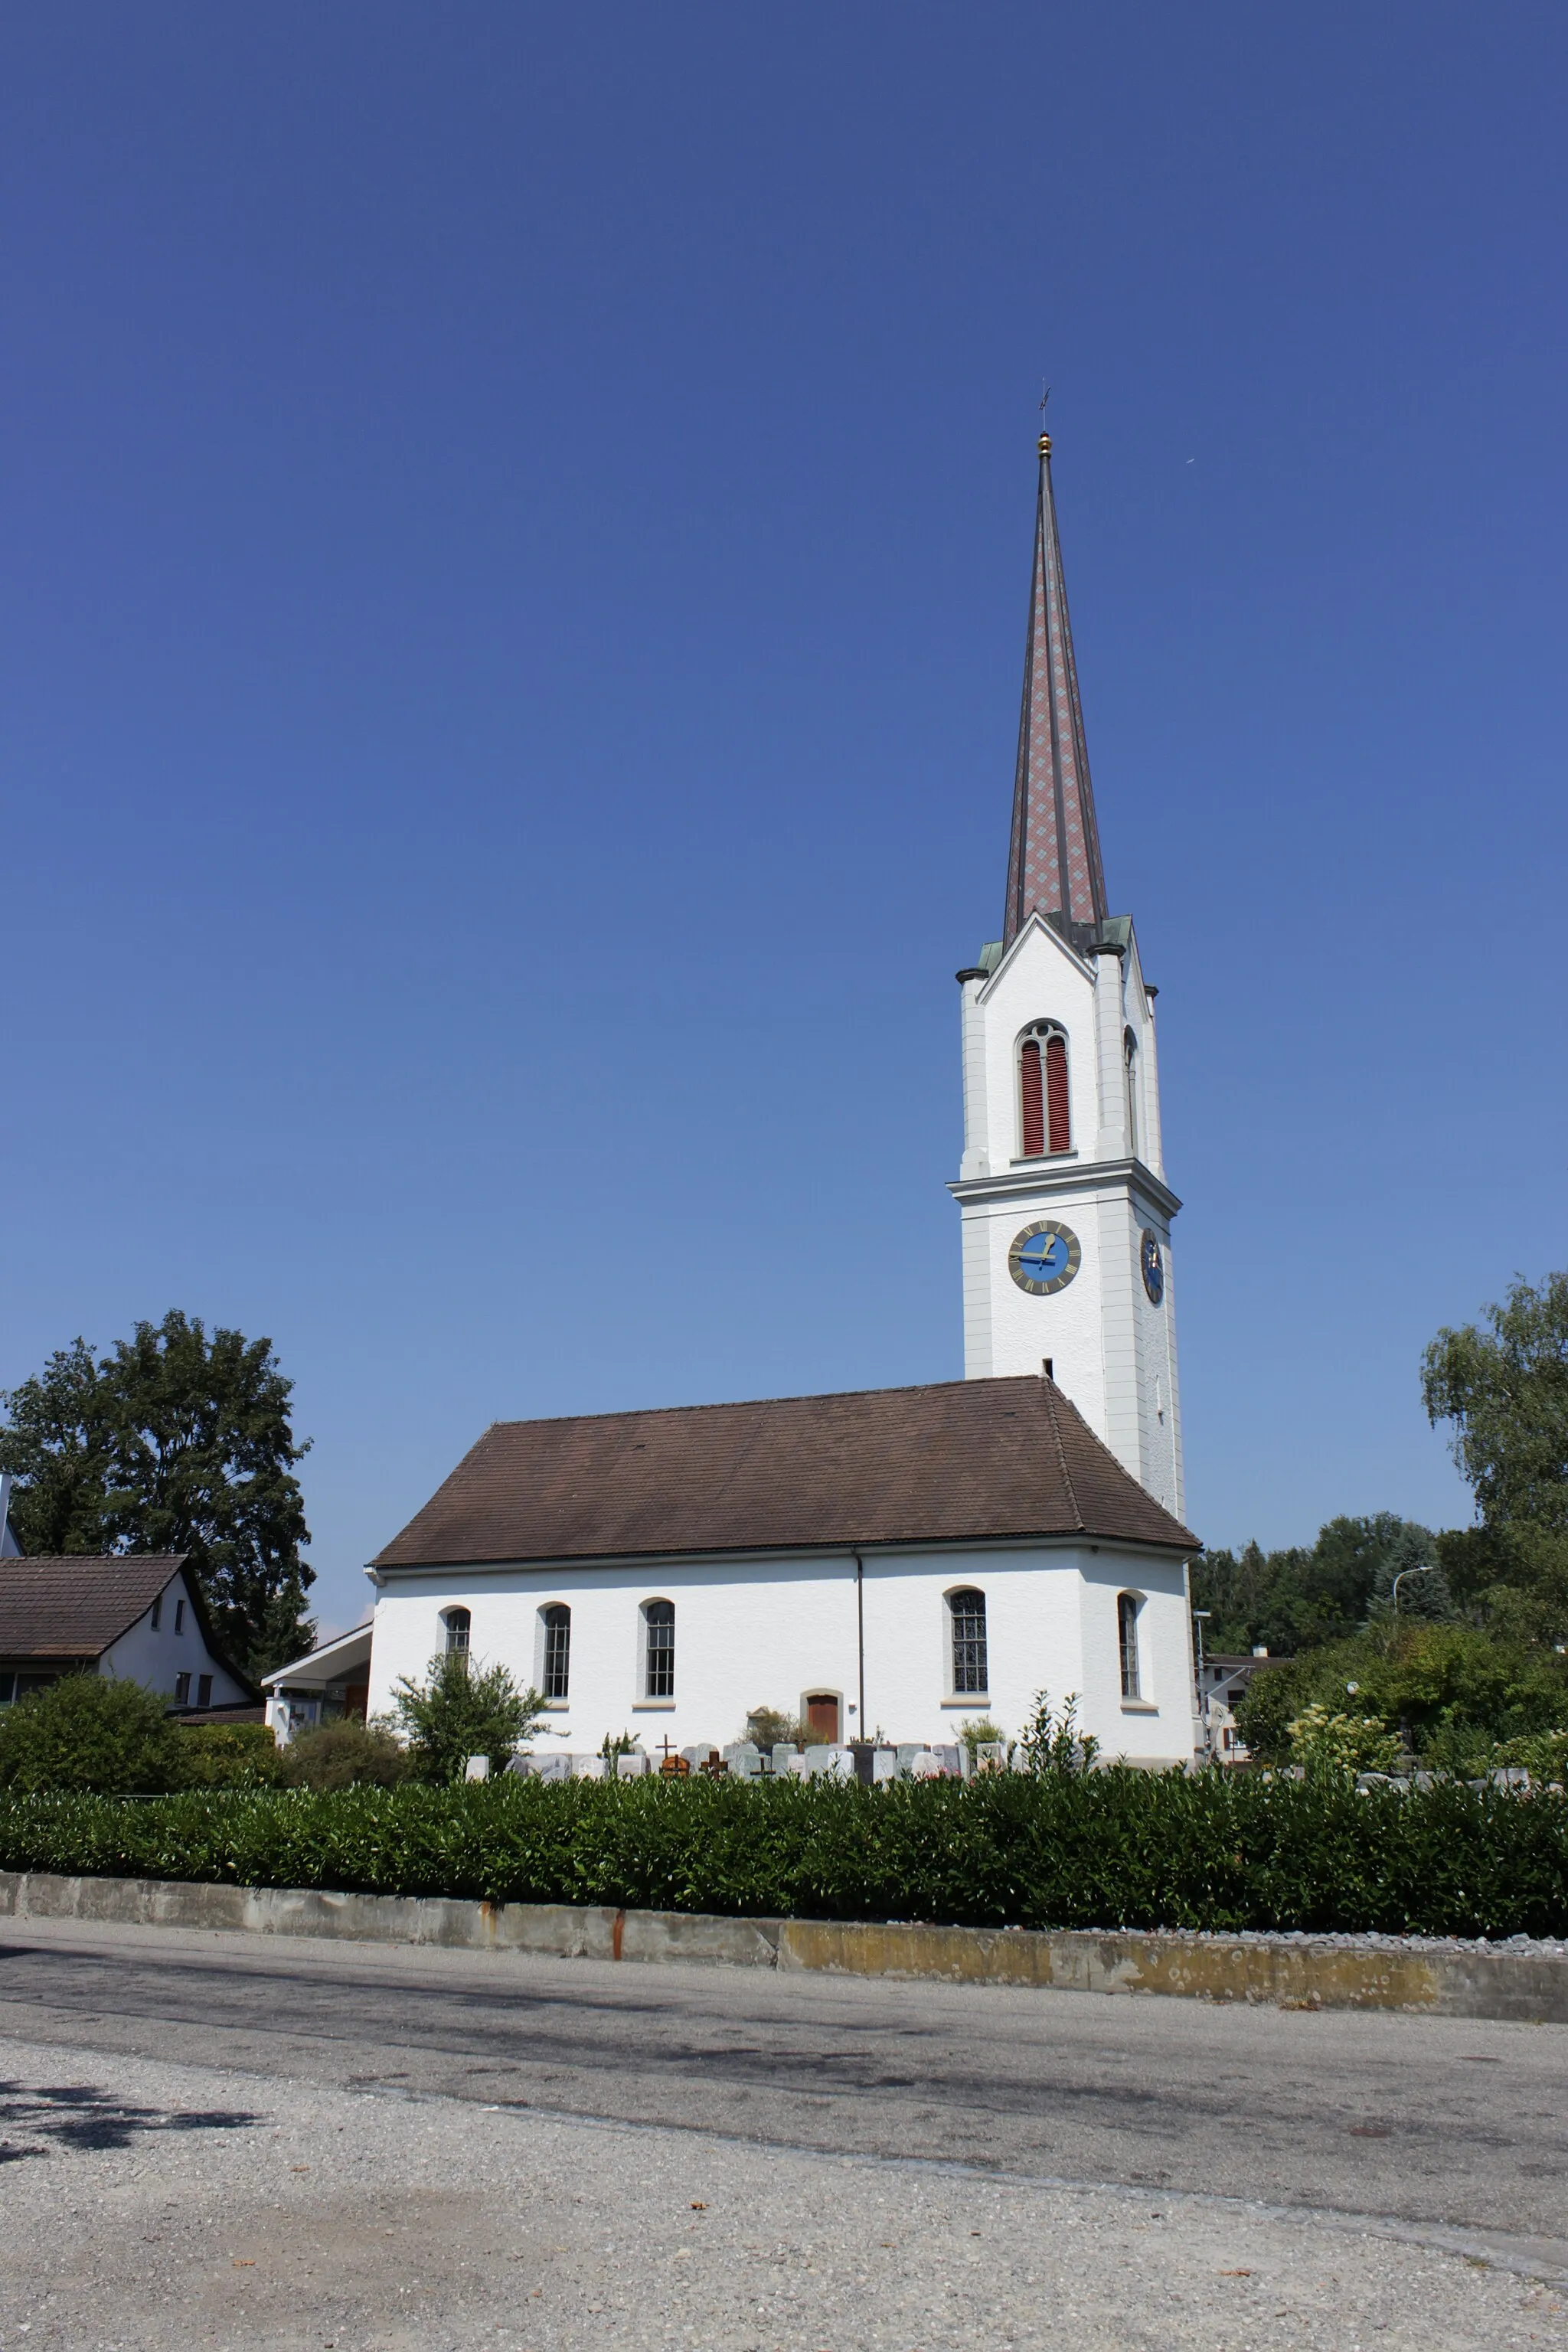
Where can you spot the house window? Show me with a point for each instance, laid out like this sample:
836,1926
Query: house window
179,1616
157,1611
204,1690
658,1639
1044,1113
460,1624
1127,1635
1130,1060
181,1690
557,1622
971,1673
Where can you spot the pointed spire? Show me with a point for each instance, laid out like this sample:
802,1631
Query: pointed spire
1054,863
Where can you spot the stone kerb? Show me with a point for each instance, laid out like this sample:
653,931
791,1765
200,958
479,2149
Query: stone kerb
1527,1983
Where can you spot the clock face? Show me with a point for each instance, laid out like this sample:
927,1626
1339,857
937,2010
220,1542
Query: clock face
1044,1258
1154,1266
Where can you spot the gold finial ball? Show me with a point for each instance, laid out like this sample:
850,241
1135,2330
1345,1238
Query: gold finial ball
1044,445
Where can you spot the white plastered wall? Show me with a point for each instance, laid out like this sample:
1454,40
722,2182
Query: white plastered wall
750,1633
156,1656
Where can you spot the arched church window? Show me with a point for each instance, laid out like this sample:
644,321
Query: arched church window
457,1624
1127,1638
1129,1061
971,1667
554,1673
1043,1091
658,1649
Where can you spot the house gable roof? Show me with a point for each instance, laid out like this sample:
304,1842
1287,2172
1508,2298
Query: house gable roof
76,1604
959,1461
69,1605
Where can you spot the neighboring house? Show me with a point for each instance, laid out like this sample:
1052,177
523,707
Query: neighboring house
901,1558
1221,1687
330,1682
138,1617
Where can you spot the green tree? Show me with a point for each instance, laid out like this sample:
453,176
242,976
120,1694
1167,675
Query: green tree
464,1709
1298,1599
57,1444
174,1442
1504,1392
85,1731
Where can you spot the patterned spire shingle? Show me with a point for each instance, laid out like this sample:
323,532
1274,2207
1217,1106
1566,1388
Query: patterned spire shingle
1054,861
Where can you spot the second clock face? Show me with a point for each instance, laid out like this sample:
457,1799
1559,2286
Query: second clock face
1153,1266
1044,1258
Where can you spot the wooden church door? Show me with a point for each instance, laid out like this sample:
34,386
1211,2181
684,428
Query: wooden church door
821,1716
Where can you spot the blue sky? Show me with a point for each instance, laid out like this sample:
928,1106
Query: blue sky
516,539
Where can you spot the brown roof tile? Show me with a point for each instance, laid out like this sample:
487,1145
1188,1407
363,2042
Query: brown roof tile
959,1461
74,1605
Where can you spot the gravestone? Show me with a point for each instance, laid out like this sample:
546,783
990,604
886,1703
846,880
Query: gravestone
924,1766
884,1765
632,1767
785,1755
744,1759
478,1768
587,1767
949,1759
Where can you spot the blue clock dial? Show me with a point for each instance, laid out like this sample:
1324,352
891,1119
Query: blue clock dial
1044,1258
1154,1266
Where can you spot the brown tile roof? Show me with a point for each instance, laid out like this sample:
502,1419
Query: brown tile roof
74,1605
957,1462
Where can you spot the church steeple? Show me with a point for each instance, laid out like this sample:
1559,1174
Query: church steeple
1054,861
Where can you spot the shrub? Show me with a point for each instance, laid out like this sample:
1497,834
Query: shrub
228,1756
771,1726
1327,1745
1107,1849
344,1755
1452,1687
464,1709
88,1732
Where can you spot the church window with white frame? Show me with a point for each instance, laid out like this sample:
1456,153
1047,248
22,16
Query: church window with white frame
458,1625
556,1649
1127,1604
658,1649
1044,1117
969,1661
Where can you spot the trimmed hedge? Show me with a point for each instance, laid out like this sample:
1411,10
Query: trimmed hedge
1098,1850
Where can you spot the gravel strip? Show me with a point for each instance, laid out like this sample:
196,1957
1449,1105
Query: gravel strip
146,2206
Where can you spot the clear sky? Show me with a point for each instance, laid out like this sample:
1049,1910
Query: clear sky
516,536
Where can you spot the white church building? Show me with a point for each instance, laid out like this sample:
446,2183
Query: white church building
895,1562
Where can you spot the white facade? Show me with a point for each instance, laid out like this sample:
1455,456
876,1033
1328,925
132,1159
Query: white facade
170,1656
1110,1341
752,1631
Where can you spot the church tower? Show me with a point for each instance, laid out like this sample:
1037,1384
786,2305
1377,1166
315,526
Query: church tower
1065,1211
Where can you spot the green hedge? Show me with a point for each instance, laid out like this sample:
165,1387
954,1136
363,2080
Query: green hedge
1101,1850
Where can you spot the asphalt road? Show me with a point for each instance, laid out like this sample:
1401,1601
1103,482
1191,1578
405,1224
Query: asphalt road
1420,2120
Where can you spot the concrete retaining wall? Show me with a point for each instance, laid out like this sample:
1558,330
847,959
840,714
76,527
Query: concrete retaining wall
1348,1972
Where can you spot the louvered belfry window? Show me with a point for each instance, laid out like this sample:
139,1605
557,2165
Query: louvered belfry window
1043,1093
1033,1100
659,1617
971,1671
556,1676
1058,1120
